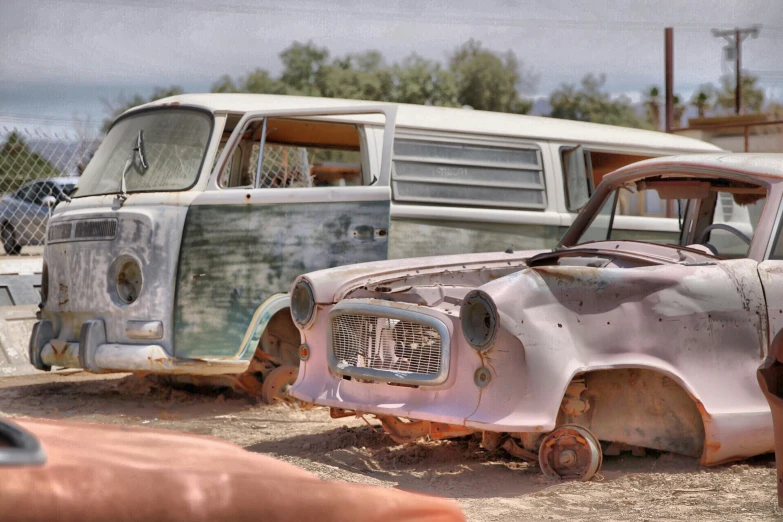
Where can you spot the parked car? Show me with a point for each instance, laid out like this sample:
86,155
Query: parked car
600,345
70,471
24,214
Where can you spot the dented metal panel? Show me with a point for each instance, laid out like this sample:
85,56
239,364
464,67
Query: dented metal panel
412,237
233,257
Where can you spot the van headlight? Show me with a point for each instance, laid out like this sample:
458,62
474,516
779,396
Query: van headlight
128,280
479,319
302,303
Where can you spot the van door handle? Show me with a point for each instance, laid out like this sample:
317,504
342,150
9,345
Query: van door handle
365,233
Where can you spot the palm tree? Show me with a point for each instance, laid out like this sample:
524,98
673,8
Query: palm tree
702,99
678,109
652,107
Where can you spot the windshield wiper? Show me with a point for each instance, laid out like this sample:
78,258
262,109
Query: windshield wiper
137,150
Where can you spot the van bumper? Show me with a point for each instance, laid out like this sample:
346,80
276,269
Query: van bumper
94,354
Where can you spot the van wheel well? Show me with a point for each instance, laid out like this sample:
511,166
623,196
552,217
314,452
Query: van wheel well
278,346
638,407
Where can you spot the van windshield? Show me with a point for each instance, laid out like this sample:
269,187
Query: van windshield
157,150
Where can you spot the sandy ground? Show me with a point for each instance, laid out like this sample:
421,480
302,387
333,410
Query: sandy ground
489,487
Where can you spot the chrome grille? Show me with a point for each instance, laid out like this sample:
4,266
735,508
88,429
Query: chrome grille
386,344
59,232
96,229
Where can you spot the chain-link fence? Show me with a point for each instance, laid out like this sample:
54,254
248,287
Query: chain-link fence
38,168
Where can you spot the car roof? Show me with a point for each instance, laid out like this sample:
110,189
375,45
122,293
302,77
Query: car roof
765,165
453,119
63,181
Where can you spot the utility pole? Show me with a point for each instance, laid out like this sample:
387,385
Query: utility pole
735,38
668,54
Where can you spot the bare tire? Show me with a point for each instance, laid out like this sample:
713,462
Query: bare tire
570,452
276,384
10,244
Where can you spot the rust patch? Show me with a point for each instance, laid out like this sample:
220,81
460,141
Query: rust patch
712,447
703,411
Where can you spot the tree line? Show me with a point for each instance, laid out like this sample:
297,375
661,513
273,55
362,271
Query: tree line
471,76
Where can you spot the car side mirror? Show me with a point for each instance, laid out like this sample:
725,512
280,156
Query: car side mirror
49,201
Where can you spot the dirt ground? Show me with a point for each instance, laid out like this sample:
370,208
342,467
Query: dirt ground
489,487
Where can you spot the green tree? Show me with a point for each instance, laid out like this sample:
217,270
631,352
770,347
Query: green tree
423,82
490,81
303,66
652,107
775,110
591,103
752,95
19,164
122,103
258,81
702,99
363,76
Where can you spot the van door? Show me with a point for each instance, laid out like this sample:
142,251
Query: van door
293,191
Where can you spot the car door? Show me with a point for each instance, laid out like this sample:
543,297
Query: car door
244,244
24,218
39,211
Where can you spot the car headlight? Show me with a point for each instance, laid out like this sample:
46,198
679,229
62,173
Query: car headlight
302,303
479,319
128,281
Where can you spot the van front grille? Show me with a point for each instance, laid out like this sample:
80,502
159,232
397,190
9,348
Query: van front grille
59,232
96,229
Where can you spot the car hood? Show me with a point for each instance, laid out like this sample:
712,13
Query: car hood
397,275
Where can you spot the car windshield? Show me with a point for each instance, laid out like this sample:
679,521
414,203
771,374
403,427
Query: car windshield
727,216
156,150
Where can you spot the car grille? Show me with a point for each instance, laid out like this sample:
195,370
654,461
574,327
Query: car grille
90,229
386,344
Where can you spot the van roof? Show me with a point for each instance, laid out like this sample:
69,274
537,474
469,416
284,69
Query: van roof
455,120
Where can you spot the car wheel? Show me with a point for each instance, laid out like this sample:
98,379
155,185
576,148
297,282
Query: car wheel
8,235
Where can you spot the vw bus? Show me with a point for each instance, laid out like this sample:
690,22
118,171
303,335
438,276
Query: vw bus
176,250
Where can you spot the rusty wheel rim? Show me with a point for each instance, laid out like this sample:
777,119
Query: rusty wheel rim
570,453
277,383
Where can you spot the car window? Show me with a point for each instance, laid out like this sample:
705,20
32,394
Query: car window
38,192
61,192
32,193
21,194
740,218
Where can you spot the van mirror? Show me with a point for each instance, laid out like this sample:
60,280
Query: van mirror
577,172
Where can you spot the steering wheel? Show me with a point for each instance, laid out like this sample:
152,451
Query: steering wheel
722,226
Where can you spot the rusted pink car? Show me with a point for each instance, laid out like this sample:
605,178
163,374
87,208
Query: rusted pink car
605,344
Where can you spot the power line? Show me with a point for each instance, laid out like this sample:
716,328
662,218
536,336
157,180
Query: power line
466,18
735,37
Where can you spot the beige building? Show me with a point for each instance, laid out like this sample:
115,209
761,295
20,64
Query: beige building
761,132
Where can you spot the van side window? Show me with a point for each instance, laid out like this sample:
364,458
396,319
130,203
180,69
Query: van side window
297,154
584,169
578,176
468,175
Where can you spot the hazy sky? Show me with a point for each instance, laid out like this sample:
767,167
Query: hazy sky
58,58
